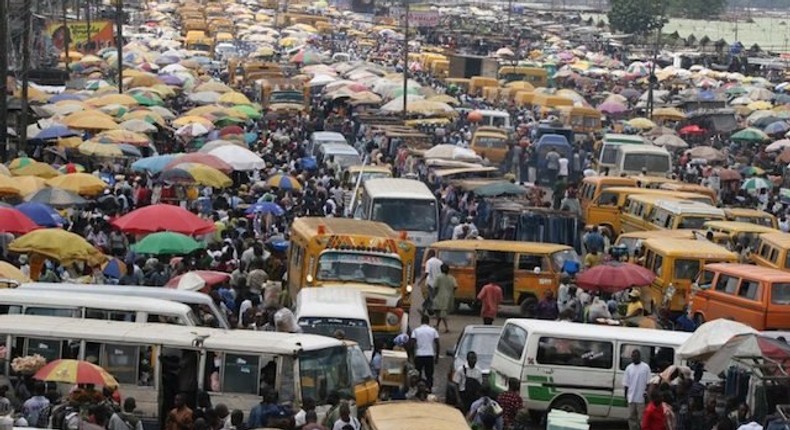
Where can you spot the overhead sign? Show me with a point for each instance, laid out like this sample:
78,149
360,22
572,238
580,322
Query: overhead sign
101,33
419,16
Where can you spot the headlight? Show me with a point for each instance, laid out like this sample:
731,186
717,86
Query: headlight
392,319
309,279
409,288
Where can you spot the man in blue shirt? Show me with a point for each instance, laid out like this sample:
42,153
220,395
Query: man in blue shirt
594,241
268,412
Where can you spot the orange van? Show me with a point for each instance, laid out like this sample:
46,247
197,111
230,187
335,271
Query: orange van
756,296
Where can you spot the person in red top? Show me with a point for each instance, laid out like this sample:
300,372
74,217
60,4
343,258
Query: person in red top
653,418
511,402
490,296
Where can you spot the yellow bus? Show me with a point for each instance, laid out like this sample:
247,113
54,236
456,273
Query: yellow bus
772,250
753,216
583,120
743,233
636,212
537,76
367,255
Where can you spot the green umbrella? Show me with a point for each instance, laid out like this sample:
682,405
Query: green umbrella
167,242
250,111
736,91
148,99
227,120
749,135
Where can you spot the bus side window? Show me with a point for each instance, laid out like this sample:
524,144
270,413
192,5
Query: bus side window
287,381
122,361
47,348
240,373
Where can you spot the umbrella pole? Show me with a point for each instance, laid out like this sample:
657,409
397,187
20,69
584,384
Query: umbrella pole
405,54
119,42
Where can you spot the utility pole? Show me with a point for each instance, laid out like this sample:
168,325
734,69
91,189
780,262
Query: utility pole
509,12
653,80
66,33
26,36
405,55
88,25
4,82
119,41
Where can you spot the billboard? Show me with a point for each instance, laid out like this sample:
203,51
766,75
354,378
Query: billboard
419,16
101,34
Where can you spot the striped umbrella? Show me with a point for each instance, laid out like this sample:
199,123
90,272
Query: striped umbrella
284,182
75,372
756,183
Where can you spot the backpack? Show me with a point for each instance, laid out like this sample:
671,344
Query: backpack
490,407
471,385
129,419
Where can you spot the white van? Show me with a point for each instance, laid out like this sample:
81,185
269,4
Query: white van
319,138
345,155
94,306
635,159
577,367
324,310
207,312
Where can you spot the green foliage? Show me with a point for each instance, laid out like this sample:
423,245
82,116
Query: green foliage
637,16
696,9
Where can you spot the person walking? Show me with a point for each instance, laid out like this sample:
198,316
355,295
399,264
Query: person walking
425,341
443,301
490,296
635,379
432,269
126,420
511,402
653,417
467,380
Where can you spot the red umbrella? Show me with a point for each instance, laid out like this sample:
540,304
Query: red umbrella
613,277
202,158
729,175
14,221
209,276
150,219
230,130
692,129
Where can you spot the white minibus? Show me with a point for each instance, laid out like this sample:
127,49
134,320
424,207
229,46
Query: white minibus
319,138
94,306
638,159
611,141
577,367
207,312
325,310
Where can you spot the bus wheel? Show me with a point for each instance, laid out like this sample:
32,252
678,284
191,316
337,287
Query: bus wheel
570,403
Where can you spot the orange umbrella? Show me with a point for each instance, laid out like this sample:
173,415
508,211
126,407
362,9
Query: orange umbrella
80,183
90,120
75,372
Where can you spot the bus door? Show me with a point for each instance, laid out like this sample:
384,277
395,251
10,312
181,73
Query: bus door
604,211
462,267
496,267
533,276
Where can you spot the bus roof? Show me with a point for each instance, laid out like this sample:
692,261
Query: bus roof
99,301
164,334
331,302
619,139
309,226
689,248
778,238
574,330
752,271
670,194
680,206
642,149
497,113
739,226
398,188
747,212
415,415
500,245
618,180
459,171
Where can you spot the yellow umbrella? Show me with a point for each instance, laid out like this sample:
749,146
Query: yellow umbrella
80,183
42,170
73,56
146,115
641,123
213,86
190,119
113,99
196,173
29,184
122,136
8,186
443,98
669,113
759,105
9,271
234,98
520,85
288,42
96,149
4,170
164,90
69,142
58,244
90,120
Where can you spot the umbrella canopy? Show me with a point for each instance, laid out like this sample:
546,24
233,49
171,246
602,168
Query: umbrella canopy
234,98
55,132
729,175
28,184
195,173
201,158
153,164
75,372
756,183
670,141
138,126
743,348
114,268
193,130
240,158
692,130
613,277
197,279
672,114
711,336
96,149
8,186
641,123
57,244
750,134
90,120
265,208
168,243
41,214
122,136
779,145
284,182
612,107
56,197
707,153
9,271
451,152
81,183
14,221
154,218
36,168
777,127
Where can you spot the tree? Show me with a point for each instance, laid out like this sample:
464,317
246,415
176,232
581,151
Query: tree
696,9
637,16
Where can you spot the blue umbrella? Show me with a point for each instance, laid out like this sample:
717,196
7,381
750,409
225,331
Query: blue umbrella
250,138
308,163
41,214
130,150
154,164
114,268
265,208
172,80
55,132
65,96
778,127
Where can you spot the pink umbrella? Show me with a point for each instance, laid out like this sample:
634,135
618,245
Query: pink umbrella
611,107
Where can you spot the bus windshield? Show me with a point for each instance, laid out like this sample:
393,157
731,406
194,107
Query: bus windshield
369,175
491,142
650,162
609,154
325,371
360,267
353,329
406,214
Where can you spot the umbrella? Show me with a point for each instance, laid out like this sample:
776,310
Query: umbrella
672,114
114,268
204,97
240,158
729,175
75,372
692,129
9,271
641,123
612,107
779,145
8,186
122,136
14,221
36,168
80,183
756,183
195,173
153,164
189,280
711,336
57,244
743,348
750,134
670,141
777,127
30,184
752,171
213,86
138,126
231,130
784,156
707,153
56,197
265,208
614,277
193,130
96,149
55,132
168,243
41,214
66,168
161,217
214,144
90,120
201,158
284,182
234,98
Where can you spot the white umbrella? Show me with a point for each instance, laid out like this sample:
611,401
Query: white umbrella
779,145
711,336
320,80
138,126
451,152
214,144
670,141
191,281
238,157
192,130
205,97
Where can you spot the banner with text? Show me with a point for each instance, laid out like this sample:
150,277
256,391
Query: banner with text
419,16
101,33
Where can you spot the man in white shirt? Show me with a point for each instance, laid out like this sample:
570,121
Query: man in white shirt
425,340
432,269
635,379
563,171
466,374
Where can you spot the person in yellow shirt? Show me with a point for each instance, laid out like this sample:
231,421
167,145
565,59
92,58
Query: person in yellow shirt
592,259
635,307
